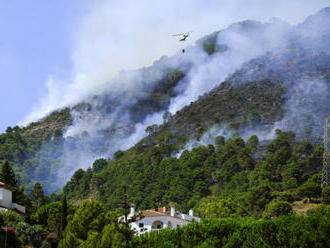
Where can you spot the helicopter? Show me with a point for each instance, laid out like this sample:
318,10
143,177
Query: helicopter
184,36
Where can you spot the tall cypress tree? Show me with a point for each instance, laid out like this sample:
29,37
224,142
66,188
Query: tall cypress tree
7,174
64,213
38,196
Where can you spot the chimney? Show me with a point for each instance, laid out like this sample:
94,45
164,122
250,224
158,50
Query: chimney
172,210
164,209
191,212
132,211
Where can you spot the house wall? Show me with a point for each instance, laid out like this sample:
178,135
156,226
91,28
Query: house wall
148,221
187,217
6,198
19,208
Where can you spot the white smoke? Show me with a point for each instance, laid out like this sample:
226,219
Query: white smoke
264,133
301,115
302,112
207,72
124,34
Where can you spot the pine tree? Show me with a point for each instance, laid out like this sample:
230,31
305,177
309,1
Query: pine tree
64,213
38,196
7,174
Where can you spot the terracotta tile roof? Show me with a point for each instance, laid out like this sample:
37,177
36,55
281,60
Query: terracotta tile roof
154,213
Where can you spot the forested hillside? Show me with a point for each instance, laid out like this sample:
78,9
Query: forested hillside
232,128
252,77
203,176
40,152
32,150
230,186
287,87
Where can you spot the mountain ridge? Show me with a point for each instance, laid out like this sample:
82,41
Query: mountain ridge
261,90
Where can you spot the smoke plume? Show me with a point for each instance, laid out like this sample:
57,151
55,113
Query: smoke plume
117,37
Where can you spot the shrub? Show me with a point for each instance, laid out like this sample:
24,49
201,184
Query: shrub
118,155
326,195
309,189
276,209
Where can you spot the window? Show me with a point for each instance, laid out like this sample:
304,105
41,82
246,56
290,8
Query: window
141,225
157,225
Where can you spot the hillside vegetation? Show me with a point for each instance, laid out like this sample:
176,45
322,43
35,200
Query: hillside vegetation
39,151
249,193
285,86
206,175
242,202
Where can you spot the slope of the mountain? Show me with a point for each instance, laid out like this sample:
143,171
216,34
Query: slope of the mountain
241,89
38,151
256,75
53,124
153,178
257,103
288,87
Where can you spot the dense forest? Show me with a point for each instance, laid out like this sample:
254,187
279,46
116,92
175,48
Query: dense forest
34,151
259,190
286,86
246,193
40,152
234,170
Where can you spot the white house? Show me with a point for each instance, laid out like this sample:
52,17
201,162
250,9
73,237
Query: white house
6,199
159,218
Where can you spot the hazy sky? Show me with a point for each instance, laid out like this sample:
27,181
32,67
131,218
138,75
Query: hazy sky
73,43
35,41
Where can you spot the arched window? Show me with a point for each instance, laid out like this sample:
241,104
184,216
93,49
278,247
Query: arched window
157,225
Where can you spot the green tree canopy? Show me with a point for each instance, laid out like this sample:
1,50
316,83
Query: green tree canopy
277,208
256,199
38,196
212,207
7,174
309,190
219,140
326,195
92,227
99,164
64,213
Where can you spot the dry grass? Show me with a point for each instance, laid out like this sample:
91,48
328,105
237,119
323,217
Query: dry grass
303,206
